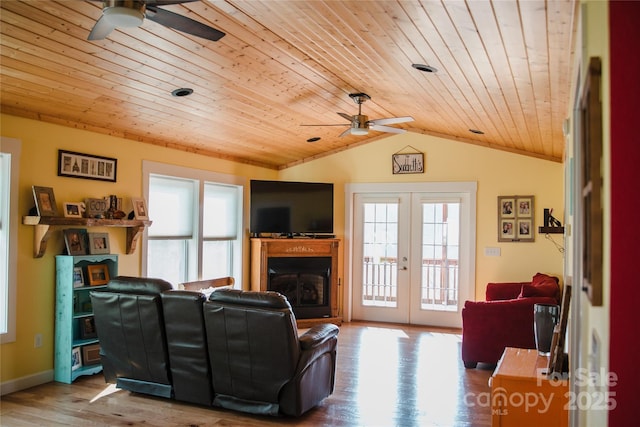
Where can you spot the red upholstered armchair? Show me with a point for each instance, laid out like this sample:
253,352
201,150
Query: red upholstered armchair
505,319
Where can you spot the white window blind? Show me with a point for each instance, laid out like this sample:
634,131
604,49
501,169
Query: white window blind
220,212
172,202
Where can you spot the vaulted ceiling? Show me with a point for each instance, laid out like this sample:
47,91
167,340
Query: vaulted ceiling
503,68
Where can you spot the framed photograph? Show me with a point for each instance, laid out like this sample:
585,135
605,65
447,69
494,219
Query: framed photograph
76,358
524,207
98,243
508,229
87,166
98,274
45,201
87,328
525,229
75,240
73,210
139,208
78,277
516,219
91,354
507,208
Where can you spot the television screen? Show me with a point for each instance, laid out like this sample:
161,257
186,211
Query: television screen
288,207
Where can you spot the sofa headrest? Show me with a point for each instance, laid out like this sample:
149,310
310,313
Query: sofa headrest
250,298
138,285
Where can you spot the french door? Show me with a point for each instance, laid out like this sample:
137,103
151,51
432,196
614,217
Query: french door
412,253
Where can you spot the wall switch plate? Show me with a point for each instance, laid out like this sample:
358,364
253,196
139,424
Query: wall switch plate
37,340
489,251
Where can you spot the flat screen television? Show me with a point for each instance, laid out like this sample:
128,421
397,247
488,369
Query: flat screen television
293,208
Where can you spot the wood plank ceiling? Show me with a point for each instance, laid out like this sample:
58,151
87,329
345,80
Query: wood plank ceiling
503,67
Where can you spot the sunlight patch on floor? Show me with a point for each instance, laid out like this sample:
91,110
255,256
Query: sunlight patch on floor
110,389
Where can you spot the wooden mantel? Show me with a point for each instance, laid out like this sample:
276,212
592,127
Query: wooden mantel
264,248
43,224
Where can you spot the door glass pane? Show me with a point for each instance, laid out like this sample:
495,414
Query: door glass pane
440,256
380,254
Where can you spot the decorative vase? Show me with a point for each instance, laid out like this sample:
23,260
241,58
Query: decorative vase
545,318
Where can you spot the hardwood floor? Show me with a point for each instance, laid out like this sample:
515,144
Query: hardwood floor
387,375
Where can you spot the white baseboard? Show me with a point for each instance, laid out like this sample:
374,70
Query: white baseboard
26,382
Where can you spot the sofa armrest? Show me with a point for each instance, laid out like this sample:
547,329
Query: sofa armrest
317,335
503,291
490,326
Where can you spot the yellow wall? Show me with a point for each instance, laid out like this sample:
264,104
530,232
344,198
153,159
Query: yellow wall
497,173
36,277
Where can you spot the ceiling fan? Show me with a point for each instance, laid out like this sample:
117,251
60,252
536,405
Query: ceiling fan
130,13
360,123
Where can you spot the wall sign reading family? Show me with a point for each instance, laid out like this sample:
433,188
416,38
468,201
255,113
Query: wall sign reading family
78,165
515,219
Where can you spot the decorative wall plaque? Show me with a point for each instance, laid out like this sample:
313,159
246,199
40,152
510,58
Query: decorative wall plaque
405,163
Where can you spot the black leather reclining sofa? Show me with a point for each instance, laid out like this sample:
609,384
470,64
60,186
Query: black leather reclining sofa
238,350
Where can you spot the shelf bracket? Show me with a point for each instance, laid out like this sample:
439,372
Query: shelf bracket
41,234
133,235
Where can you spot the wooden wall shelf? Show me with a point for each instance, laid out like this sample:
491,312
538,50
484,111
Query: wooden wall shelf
551,230
43,227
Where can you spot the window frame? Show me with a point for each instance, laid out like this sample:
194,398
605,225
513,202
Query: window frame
14,148
202,176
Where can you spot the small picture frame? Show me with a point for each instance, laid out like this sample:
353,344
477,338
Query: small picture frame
98,274
140,208
87,328
45,201
76,358
91,354
73,210
98,243
78,277
516,219
75,240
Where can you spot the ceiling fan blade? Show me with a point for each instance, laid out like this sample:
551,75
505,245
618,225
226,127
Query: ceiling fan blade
182,23
101,29
346,116
391,120
389,129
345,124
166,2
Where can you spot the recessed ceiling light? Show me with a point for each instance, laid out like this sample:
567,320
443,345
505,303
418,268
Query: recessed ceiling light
183,91
314,139
424,68
476,131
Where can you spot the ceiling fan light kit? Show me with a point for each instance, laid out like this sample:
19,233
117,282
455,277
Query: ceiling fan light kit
131,13
360,123
124,17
